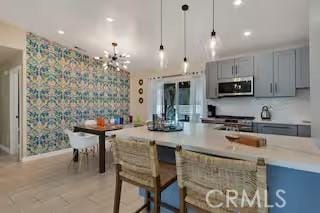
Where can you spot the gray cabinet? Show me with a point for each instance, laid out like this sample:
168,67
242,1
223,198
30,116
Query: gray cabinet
284,76
211,80
302,68
263,75
278,129
226,69
233,68
244,66
304,131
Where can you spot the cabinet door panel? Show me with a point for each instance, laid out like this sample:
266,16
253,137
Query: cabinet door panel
211,79
278,129
284,74
244,66
302,68
226,69
263,75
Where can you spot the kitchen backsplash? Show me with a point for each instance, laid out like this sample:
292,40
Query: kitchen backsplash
283,109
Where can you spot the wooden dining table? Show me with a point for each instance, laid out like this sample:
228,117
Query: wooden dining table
101,132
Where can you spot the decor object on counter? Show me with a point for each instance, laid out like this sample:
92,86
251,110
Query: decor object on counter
101,122
116,60
141,100
162,55
138,122
248,140
161,125
265,114
140,82
140,91
185,8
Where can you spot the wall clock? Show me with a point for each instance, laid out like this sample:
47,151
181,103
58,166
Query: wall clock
140,82
140,91
140,100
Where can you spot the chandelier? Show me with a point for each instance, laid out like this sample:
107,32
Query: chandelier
116,60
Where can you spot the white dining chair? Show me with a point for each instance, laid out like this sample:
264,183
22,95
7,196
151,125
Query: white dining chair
82,142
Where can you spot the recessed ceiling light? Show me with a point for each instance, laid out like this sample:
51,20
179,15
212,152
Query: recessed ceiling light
61,32
110,19
237,3
247,33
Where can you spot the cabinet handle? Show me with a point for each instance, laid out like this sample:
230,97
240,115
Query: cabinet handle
276,87
232,70
277,127
216,91
236,69
271,86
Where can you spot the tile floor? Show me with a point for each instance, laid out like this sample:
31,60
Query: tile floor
47,185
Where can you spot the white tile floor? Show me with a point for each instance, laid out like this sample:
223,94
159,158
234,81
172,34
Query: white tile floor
47,185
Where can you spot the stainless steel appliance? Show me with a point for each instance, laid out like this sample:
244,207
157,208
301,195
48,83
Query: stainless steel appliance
236,87
211,111
265,114
237,123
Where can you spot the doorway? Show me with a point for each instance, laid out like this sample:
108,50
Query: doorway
10,69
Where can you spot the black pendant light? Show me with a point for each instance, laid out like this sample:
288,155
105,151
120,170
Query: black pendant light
162,56
211,45
185,8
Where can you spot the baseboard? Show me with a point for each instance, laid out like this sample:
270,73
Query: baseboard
47,155
5,149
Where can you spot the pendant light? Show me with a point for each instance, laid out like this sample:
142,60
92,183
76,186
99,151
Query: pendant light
185,8
162,55
214,42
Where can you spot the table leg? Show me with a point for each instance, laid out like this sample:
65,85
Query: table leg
102,153
75,155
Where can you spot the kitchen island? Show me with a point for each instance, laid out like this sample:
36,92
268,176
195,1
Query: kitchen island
293,163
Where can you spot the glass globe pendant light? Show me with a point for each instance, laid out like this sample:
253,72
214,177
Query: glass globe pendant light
214,42
185,60
162,55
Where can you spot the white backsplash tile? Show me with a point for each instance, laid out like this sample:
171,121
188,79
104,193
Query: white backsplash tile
284,109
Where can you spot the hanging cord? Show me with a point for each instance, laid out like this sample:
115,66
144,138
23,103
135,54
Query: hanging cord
161,30
213,15
185,35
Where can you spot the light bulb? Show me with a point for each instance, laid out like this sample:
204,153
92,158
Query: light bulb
161,56
185,65
213,53
213,42
118,69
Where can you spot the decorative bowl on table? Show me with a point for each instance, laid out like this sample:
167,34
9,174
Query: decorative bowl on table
165,126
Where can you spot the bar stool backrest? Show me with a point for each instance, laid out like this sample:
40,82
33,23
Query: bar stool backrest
138,160
198,174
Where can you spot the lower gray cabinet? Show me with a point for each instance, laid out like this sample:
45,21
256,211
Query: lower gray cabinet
304,131
278,129
282,129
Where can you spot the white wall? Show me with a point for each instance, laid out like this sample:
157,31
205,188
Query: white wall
314,26
4,110
15,37
294,109
137,109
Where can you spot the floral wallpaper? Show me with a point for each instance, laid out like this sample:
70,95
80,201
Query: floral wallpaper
65,87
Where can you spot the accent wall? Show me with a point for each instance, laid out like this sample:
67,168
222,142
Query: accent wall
64,88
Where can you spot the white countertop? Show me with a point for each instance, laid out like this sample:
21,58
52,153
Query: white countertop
285,151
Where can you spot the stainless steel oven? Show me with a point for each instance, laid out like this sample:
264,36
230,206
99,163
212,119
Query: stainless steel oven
236,87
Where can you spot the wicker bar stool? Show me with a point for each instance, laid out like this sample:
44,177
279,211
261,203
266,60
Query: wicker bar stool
199,174
137,163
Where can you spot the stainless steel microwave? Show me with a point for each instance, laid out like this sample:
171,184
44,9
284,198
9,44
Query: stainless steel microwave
236,87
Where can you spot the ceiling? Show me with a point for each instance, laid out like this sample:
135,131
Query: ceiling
137,26
6,54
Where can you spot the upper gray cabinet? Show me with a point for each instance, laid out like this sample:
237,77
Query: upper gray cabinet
302,68
244,66
263,74
233,68
211,80
226,69
284,76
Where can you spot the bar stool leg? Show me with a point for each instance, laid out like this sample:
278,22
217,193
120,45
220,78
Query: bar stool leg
117,196
183,208
147,200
